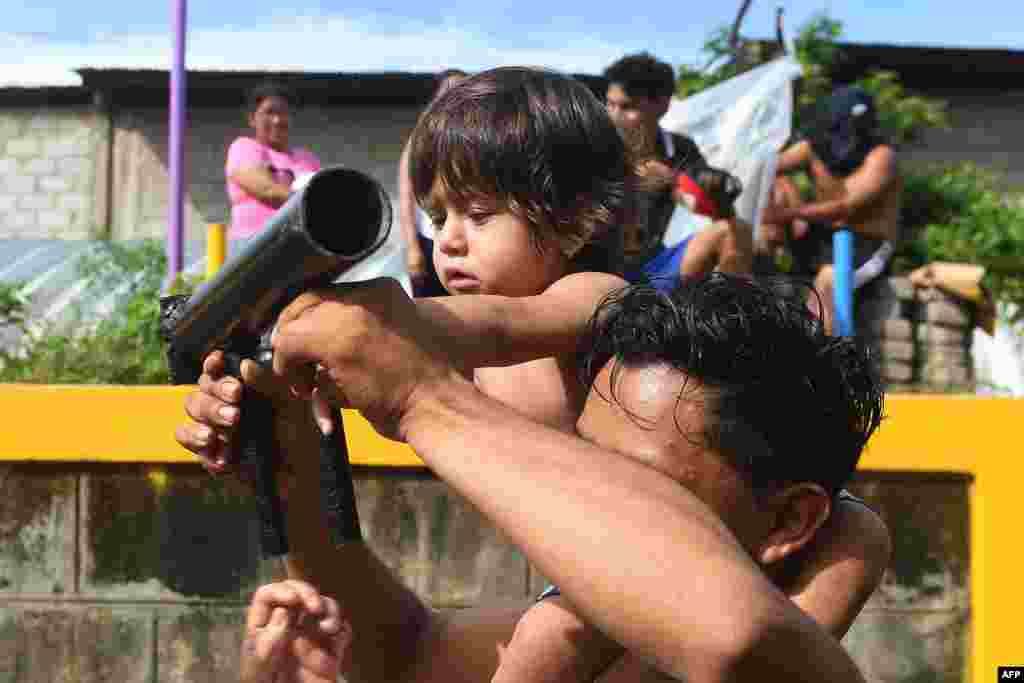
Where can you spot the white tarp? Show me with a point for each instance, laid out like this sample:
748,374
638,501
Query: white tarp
740,126
999,358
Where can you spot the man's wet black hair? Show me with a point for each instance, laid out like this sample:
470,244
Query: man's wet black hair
642,74
784,402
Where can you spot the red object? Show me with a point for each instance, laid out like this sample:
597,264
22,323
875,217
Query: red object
702,204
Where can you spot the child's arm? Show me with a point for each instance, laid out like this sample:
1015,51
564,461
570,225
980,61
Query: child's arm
843,566
489,331
552,644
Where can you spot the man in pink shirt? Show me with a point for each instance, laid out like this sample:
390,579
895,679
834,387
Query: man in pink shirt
261,167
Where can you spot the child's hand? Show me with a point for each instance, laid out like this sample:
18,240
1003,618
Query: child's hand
293,635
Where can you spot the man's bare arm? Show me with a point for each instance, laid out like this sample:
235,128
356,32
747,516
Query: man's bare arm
638,555
683,594
257,182
793,157
864,188
489,331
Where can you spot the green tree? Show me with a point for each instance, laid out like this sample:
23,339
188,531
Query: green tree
954,212
903,116
121,348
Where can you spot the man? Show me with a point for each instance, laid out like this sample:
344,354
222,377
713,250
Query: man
857,185
639,91
699,388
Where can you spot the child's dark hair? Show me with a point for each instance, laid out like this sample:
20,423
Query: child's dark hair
255,96
642,74
538,143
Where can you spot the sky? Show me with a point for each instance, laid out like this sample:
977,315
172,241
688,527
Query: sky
42,42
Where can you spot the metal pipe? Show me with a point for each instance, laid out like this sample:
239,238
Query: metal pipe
176,142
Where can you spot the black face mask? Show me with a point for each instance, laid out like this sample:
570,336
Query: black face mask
847,131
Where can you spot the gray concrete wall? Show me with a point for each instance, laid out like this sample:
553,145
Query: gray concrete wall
985,128
60,176
141,574
366,138
51,172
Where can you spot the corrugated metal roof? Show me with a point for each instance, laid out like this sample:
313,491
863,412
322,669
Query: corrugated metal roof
51,281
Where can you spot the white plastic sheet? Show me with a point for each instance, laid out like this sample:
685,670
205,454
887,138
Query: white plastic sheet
999,358
740,126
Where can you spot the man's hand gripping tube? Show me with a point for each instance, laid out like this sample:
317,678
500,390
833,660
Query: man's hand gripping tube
338,219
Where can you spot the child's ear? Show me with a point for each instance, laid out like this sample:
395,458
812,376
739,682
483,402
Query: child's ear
797,512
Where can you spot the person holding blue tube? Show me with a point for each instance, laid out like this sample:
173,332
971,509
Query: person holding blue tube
857,187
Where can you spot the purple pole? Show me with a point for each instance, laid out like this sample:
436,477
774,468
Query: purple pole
176,142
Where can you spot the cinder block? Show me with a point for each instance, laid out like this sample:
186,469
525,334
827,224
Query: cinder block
902,288
64,147
43,645
55,183
897,350
114,644
947,313
19,184
200,645
941,375
92,645
42,123
935,356
54,218
72,202
940,335
897,329
20,220
39,166
894,371
889,645
36,201
37,527
76,166
168,532
440,545
24,148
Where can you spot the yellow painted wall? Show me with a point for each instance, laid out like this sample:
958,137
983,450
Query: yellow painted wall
963,434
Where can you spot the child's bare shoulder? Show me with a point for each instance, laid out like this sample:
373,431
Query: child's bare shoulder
583,290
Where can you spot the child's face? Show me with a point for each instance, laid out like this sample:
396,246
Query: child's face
483,248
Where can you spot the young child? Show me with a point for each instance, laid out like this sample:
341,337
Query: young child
528,184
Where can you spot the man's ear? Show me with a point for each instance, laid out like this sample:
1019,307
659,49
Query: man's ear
797,512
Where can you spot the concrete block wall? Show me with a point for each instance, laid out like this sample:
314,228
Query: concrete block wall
83,172
51,172
134,573
141,574
367,138
925,342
